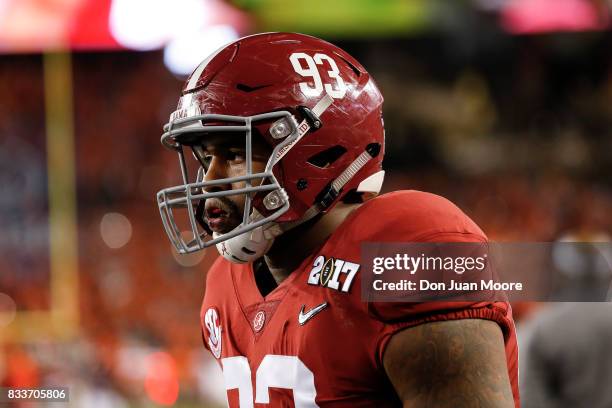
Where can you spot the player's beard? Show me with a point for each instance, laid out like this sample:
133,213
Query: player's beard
231,218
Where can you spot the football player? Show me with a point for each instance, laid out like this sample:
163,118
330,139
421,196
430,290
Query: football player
286,133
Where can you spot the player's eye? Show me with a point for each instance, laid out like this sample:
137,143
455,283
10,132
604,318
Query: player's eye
235,157
206,160
204,156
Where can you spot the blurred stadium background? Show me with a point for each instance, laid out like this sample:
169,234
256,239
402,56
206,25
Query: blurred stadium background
503,106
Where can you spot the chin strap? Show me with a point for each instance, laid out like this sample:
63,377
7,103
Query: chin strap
251,245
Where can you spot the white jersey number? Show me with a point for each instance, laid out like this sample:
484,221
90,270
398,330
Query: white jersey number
275,371
311,70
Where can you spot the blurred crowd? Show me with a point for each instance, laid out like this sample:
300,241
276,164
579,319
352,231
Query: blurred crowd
516,132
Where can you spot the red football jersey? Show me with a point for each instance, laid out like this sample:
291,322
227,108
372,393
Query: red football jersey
308,345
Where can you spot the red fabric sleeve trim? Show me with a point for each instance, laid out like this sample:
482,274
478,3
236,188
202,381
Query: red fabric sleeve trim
488,312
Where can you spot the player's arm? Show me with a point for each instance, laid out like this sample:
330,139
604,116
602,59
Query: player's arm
458,363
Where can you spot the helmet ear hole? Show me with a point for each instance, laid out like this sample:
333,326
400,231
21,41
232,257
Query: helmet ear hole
327,157
353,197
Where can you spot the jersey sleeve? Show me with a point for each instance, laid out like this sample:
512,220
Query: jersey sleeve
414,216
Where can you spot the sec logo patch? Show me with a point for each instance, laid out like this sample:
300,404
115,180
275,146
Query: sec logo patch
213,327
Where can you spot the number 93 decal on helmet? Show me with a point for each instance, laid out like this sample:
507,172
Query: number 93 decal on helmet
302,108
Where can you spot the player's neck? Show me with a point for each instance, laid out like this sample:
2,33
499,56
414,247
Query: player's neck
291,248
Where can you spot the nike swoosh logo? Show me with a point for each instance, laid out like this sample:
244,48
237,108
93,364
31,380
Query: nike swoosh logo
303,317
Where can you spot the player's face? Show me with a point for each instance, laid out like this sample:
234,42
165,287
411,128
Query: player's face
225,160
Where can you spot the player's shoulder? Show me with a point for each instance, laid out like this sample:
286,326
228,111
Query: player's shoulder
410,203
409,215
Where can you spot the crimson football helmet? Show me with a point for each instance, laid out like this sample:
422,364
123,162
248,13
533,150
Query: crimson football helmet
315,106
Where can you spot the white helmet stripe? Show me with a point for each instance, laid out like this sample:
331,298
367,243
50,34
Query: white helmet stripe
322,105
193,80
